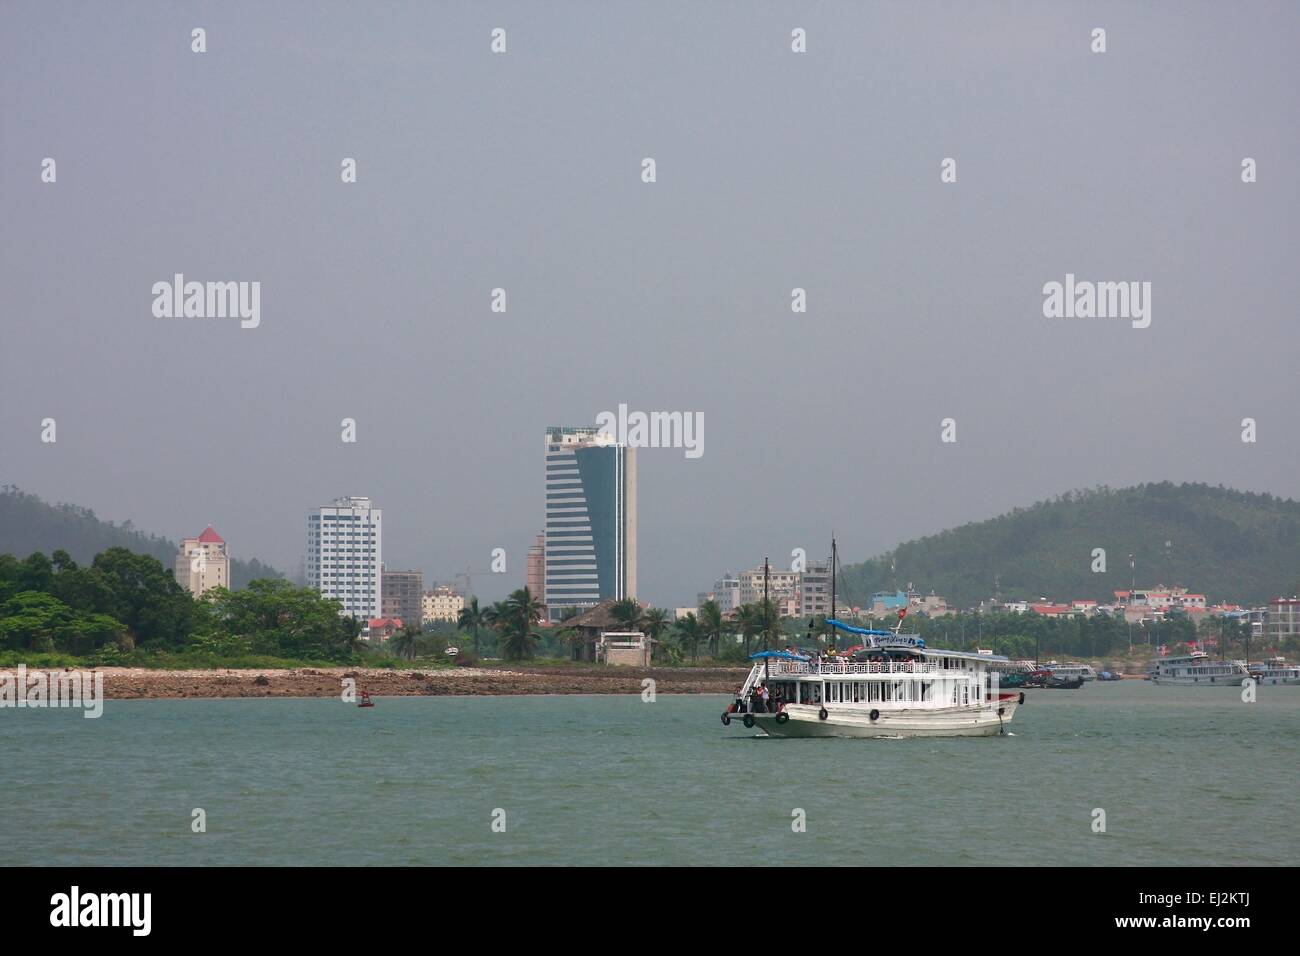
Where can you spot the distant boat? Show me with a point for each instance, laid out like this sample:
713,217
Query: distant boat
1275,670
1110,675
1198,669
1016,673
365,700
1071,671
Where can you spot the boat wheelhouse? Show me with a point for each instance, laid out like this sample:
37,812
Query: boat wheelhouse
893,686
1199,669
1275,670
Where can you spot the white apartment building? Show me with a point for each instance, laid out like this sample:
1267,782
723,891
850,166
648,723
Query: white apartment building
345,556
726,593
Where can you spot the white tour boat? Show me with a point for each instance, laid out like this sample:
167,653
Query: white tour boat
1200,669
1275,670
894,686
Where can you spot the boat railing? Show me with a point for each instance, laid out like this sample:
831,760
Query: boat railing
894,667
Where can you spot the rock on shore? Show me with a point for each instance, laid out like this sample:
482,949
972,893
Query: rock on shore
123,683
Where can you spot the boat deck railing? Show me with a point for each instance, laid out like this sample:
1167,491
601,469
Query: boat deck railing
784,668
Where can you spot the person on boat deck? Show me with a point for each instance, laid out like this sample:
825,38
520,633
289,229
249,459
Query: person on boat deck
765,696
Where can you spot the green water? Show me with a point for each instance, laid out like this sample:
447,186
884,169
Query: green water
1187,776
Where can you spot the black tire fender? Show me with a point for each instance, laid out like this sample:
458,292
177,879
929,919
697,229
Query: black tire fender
782,717
1022,697
874,715
748,720
726,720
1001,711
822,714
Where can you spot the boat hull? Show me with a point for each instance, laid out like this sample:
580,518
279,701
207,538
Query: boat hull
1232,680
803,721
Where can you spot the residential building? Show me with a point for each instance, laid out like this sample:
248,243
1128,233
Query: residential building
931,605
888,603
345,556
1283,621
442,604
725,593
815,589
400,595
203,563
1053,610
380,629
591,519
781,585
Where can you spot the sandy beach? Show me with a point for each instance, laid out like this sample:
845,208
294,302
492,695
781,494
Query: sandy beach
124,683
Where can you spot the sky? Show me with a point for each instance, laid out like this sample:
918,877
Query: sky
522,170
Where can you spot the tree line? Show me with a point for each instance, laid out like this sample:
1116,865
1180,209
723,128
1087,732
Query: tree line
123,601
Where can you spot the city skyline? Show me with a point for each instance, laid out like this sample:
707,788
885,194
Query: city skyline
776,171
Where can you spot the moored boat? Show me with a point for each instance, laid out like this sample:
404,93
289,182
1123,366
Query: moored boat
1068,672
1199,669
1275,670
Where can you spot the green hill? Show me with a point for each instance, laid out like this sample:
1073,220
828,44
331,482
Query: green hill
29,524
1232,546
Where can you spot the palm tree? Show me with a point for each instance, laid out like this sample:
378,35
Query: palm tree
516,620
471,618
711,625
654,622
748,623
403,643
628,613
350,635
492,615
689,634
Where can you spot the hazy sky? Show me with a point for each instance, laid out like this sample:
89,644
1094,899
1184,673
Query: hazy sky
775,170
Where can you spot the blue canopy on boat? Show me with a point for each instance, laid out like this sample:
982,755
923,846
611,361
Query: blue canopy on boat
781,655
857,630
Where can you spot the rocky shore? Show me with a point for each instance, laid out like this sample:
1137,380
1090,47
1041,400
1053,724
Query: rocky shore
124,683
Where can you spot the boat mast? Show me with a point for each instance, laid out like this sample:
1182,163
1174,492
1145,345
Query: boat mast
834,555
766,622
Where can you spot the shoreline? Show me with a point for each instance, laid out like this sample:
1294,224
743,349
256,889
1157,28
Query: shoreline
137,683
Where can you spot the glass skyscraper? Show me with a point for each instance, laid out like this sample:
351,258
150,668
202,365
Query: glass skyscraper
590,519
